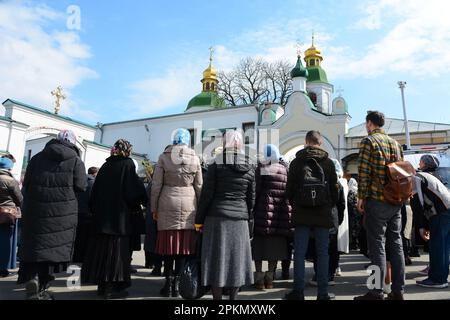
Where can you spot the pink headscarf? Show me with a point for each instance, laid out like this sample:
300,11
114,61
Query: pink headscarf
234,140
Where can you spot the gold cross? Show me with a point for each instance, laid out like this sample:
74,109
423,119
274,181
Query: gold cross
59,96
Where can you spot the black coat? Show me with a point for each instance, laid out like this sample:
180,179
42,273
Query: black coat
117,193
272,209
229,190
314,217
84,214
50,207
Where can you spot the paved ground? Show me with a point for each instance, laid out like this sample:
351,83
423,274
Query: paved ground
350,284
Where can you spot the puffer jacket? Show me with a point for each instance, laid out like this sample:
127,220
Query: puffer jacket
272,210
229,191
176,187
314,217
50,208
10,195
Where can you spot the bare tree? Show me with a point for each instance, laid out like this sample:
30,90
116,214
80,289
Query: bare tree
255,81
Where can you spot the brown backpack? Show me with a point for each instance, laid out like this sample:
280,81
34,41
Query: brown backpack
399,179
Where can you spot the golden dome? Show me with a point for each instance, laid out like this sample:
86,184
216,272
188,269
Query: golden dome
210,76
313,56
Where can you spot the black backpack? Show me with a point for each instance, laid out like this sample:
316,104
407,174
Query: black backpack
313,188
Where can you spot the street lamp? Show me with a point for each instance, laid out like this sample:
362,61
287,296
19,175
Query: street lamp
402,85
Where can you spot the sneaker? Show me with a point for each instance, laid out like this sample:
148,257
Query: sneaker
425,271
338,272
387,288
4,273
330,296
45,295
428,283
369,296
294,295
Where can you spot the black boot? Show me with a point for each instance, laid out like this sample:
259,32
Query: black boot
176,287
166,291
43,292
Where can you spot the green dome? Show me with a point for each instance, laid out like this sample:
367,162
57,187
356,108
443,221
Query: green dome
299,70
207,99
317,74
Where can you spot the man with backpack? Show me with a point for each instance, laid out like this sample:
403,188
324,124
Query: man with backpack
380,200
312,191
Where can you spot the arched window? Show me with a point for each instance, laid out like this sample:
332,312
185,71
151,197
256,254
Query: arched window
207,86
312,62
313,98
212,86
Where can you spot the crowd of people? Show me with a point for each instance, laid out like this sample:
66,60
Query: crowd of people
230,212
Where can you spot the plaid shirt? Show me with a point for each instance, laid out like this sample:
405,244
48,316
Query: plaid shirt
372,163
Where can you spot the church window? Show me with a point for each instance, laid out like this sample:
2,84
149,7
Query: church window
313,98
212,86
207,86
312,62
249,132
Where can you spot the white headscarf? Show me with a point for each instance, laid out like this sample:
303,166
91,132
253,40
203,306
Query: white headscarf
353,185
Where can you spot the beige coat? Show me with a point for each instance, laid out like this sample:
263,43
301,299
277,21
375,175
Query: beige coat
176,187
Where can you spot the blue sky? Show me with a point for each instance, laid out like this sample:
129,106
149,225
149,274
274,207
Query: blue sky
133,59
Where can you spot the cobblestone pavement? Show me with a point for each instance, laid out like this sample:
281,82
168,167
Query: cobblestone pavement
351,283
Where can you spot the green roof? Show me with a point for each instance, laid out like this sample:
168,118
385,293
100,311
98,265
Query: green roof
317,74
299,70
207,99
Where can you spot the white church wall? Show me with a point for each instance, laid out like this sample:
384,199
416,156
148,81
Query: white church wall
36,119
160,130
4,133
34,146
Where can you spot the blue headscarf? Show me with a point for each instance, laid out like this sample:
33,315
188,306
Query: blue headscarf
271,153
6,163
182,136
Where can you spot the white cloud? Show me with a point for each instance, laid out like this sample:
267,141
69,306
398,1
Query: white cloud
34,60
416,41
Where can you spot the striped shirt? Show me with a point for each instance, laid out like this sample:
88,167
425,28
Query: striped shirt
372,163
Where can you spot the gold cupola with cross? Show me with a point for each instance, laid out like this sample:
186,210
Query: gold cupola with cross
313,56
210,79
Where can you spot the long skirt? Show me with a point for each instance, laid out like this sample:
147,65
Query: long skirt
226,258
8,246
108,260
270,248
175,242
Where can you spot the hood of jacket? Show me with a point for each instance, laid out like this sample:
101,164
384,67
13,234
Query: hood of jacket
236,161
312,152
59,151
181,153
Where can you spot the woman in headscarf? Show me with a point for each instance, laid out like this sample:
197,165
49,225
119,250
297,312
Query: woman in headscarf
176,187
272,216
50,213
116,194
10,201
225,215
353,214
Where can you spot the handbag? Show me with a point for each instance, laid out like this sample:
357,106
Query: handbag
190,279
8,215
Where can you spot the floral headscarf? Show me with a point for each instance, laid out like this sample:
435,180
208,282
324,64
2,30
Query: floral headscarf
67,136
182,136
121,148
234,140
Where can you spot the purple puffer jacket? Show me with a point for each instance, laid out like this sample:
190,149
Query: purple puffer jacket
272,211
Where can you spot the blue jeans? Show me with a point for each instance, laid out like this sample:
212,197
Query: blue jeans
439,247
301,240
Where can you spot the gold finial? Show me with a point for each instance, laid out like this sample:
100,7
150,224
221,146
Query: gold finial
312,40
59,96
